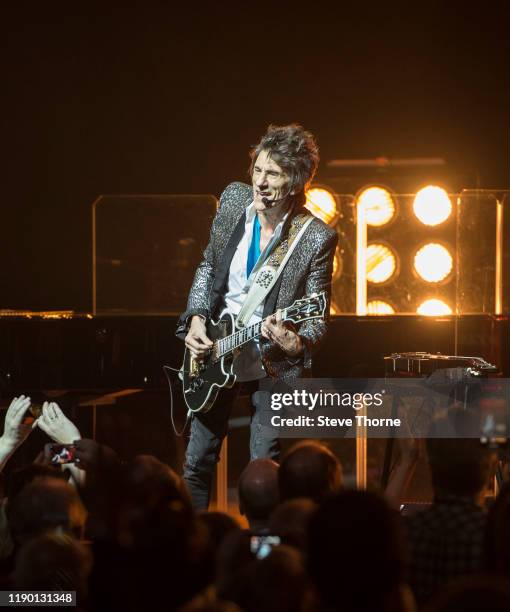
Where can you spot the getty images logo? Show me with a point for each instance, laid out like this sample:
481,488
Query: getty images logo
310,401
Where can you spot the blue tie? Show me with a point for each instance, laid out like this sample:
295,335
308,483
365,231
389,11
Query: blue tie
254,251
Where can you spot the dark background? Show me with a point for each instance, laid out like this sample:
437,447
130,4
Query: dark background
167,98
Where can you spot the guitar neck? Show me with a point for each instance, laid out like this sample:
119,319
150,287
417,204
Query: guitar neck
233,341
304,309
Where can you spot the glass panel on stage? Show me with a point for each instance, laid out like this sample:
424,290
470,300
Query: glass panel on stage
146,249
477,253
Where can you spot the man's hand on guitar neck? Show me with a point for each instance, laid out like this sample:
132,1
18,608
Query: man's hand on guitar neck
196,340
274,329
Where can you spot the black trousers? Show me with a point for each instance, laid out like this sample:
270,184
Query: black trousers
206,436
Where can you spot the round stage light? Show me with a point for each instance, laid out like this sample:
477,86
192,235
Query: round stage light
433,262
381,263
379,307
432,205
379,205
322,203
434,308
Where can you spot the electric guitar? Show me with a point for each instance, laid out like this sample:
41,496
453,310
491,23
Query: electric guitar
202,380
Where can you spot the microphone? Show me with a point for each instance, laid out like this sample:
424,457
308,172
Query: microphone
267,202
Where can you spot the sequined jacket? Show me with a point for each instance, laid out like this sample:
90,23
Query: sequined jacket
307,271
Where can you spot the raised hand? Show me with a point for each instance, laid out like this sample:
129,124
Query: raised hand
55,423
15,429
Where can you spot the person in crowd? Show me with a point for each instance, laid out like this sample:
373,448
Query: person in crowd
278,583
47,504
446,541
309,469
16,481
355,555
480,593
102,489
233,563
258,493
290,521
218,526
40,501
53,562
158,557
497,536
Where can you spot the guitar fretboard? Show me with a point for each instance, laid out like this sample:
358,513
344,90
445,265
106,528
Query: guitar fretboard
242,336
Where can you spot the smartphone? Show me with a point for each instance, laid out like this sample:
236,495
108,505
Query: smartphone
62,453
262,545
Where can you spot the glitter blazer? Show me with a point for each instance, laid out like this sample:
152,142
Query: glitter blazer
307,271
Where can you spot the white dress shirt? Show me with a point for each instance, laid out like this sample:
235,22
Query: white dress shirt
247,364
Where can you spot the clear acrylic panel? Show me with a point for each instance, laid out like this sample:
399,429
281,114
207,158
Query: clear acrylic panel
477,252
146,249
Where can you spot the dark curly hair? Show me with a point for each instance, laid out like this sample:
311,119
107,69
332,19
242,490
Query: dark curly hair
295,151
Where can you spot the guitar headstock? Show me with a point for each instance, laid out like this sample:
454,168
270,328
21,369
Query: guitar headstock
311,307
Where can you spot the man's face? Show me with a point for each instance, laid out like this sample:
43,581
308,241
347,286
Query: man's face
269,181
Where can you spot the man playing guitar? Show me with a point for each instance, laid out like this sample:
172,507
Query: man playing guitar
251,224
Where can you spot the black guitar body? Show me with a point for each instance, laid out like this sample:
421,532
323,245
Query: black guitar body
202,380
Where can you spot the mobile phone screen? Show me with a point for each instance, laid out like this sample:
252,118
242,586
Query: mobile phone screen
62,453
262,545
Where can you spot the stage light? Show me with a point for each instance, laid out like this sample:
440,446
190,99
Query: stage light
379,307
434,308
381,263
432,205
322,203
379,205
433,262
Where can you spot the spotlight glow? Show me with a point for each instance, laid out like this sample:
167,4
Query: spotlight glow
379,205
381,263
379,307
321,203
434,308
432,205
433,262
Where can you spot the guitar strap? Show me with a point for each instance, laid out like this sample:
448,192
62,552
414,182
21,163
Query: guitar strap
264,277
